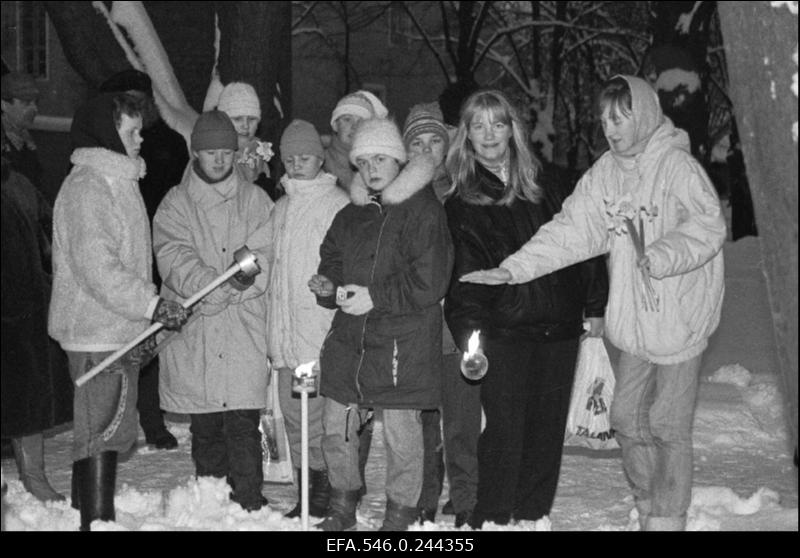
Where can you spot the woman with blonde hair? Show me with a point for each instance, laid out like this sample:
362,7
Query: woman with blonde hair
529,332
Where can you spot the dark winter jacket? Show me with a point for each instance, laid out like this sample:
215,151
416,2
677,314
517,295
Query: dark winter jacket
401,250
551,308
36,387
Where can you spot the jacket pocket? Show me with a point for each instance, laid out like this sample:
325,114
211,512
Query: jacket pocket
665,332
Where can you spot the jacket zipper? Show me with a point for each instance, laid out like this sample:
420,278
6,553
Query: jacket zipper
364,324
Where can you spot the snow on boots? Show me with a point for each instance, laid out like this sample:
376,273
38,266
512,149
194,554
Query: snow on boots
319,493
341,514
398,517
29,455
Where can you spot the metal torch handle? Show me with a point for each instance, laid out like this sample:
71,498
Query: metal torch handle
156,327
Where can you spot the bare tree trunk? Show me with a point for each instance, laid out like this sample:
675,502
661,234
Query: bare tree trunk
87,41
758,42
255,47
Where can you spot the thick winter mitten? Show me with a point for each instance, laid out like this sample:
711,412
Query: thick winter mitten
170,313
241,281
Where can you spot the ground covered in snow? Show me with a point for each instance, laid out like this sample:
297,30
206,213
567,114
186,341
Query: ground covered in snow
745,479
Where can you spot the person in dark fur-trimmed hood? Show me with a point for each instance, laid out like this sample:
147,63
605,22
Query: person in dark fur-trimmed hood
389,256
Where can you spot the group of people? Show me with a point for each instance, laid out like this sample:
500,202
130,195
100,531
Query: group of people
387,251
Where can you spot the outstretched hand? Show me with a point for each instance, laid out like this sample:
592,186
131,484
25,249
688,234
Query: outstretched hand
320,286
496,276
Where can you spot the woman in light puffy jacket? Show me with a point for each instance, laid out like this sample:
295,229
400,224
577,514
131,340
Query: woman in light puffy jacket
216,371
666,285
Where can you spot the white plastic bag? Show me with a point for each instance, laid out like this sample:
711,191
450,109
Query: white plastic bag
277,459
588,421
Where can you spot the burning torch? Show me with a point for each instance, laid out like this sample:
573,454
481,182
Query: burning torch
244,261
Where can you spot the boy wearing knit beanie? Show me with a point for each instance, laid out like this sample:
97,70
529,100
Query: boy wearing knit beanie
296,325
214,372
425,132
385,264
349,111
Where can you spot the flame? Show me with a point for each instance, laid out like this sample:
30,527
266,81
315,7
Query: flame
473,345
305,369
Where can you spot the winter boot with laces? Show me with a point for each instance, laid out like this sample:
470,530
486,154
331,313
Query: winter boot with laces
398,517
341,514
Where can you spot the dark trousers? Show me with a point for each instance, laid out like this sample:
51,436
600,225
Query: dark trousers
148,404
461,423
525,396
228,445
432,465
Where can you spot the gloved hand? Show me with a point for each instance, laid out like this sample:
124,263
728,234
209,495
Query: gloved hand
241,281
171,313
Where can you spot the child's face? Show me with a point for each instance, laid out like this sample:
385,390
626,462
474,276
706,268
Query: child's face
129,131
378,171
215,162
618,128
489,138
246,127
302,167
427,142
345,128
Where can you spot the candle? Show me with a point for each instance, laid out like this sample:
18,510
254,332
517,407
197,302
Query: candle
304,378
474,364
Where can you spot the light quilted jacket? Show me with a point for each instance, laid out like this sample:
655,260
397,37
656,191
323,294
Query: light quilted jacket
219,360
297,325
103,294
684,244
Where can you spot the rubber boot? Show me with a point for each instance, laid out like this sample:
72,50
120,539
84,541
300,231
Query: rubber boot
78,472
319,493
398,517
96,489
29,454
341,514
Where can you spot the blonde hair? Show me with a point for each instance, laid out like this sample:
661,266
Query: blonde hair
523,166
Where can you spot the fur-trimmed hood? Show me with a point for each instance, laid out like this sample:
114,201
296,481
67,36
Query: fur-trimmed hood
417,174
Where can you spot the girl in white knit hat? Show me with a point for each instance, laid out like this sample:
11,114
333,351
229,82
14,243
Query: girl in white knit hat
385,264
240,102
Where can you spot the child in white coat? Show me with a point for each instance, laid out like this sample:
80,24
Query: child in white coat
648,204
297,325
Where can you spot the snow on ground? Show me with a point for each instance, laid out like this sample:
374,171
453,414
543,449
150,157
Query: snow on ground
745,479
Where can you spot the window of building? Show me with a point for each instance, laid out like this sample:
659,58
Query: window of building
32,39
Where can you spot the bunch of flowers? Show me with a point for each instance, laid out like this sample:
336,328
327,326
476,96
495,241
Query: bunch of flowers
621,214
256,155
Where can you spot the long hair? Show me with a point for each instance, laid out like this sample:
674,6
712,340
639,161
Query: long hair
461,159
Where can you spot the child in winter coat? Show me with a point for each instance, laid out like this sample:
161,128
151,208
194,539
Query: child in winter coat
349,111
649,204
240,102
386,263
296,324
216,371
103,295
